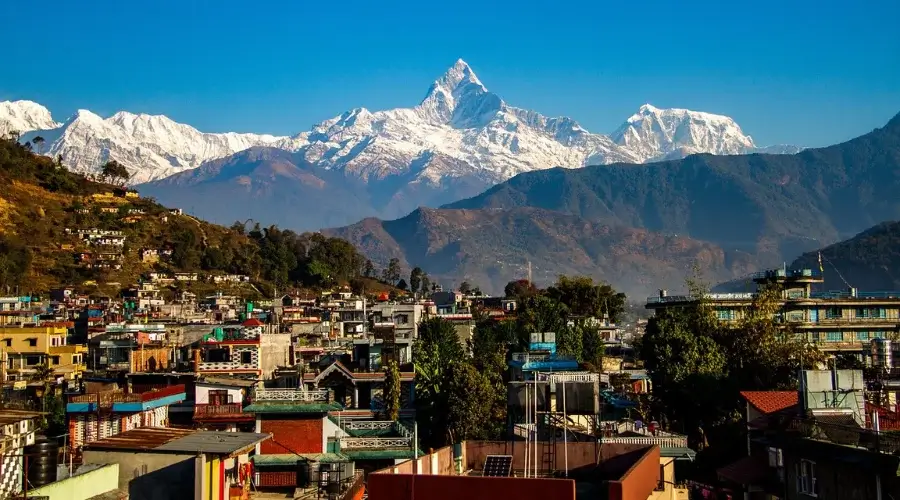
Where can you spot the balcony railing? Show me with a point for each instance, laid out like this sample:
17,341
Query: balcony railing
107,399
221,410
569,377
662,441
858,437
369,425
299,395
656,299
377,443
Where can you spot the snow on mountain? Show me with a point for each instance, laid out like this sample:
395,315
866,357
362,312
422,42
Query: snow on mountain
149,146
460,130
24,116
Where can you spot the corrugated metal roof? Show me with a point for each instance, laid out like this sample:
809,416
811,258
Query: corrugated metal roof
143,439
215,442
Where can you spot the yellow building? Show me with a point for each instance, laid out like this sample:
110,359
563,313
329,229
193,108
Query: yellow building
25,349
846,320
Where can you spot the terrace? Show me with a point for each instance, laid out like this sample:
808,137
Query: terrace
117,401
375,435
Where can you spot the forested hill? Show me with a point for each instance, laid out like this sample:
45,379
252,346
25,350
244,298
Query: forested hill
43,206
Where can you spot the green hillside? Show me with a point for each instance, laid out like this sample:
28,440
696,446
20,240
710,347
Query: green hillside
43,207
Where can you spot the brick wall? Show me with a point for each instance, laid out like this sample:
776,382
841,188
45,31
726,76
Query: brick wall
298,434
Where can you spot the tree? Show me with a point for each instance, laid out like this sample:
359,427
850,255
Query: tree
585,298
391,391
15,261
465,288
519,289
402,284
38,142
415,279
369,269
115,172
470,403
392,273
434,353
426,284
540,314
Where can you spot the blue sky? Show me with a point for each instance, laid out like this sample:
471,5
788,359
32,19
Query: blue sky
809,73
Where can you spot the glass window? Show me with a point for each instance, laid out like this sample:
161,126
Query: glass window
862,335
806,478
32,360
833,312
54,360
32,342
835,336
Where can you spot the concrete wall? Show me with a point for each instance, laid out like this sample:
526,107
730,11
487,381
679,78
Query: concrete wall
82,486
149,476
579,454
820,384
427,487
274,351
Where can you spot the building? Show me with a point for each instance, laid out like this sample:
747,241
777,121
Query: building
87,482
405,318
97,416
229,351
575,471
816,442
219,403
160,464
17,429
833,321
28,349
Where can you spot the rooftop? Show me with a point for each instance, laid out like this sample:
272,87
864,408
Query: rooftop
170,440
13,416
771,401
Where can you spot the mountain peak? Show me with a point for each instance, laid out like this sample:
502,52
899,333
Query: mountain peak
459,87
647,108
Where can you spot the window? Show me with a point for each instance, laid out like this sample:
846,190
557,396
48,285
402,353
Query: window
878,334
32,342
835,336
54,360
862,336
52,341
806,478
32,360
725,314
7,342
833,313
219,397
246,357
870,312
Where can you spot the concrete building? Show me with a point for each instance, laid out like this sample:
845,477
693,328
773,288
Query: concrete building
578,470
833,321
179,463
17,428
29,348
88,482
219,403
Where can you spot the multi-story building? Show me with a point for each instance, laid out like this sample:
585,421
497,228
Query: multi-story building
834,321
219,403
405,318
27,349
229,351
16,432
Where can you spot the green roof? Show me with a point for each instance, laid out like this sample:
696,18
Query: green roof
293,407
379,454
291,458
678,453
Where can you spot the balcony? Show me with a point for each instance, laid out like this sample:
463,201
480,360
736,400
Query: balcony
293,395
219,411
121,402
846,435
715,297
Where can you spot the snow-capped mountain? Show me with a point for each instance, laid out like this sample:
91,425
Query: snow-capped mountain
459,130
24,116
150,146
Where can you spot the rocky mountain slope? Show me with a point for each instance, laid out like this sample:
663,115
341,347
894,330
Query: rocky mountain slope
492,247
749,211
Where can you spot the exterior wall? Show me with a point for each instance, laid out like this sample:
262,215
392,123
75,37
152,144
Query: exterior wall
835,480
10,473
579,454
640,479
235,364
150,359
149,476
421,487
330,430
202,394
86,428
298,434
274,351
82,486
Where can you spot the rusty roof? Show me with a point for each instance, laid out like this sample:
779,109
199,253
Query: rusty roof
143,439
13,416
771,401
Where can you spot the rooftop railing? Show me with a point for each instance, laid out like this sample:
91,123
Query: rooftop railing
569,377
787,273
846,435
376,443
656,299
220,410
293,395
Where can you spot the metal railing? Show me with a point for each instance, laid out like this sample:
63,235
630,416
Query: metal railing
879,442
300,395
569,377
359,425
355,443
656,299
662,441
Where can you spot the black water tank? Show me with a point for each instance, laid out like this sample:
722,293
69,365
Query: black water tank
42,458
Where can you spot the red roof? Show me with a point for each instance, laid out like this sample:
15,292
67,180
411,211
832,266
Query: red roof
771,401
252,322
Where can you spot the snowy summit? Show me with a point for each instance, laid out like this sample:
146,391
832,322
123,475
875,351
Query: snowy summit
459,130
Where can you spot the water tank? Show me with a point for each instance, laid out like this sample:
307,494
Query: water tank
882,357
42,457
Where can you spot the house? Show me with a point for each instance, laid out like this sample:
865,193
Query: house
86,482
405,318
95,416
29,348
478,470
186,277
17,429
219,403
229,351
834,321
149,255
179,463
815,443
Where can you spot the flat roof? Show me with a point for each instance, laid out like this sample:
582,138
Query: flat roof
171,440
13,416
227,381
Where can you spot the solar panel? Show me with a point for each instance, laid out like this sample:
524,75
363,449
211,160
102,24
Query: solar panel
497,466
